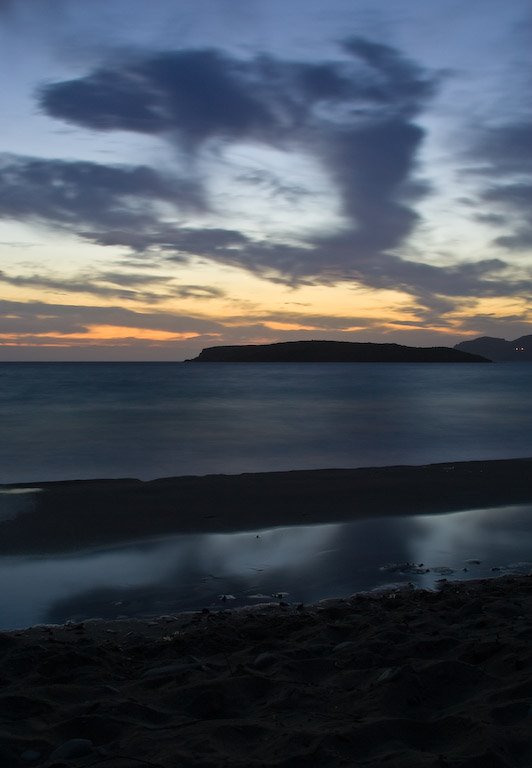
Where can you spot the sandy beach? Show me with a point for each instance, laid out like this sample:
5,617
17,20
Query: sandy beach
406,678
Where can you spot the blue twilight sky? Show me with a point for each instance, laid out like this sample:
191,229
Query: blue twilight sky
175,174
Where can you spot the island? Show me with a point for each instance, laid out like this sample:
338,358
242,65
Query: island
333,352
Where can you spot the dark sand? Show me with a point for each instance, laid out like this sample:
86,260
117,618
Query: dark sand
441,679
408,679
72,515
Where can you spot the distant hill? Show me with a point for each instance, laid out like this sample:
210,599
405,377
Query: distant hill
500,350
333,352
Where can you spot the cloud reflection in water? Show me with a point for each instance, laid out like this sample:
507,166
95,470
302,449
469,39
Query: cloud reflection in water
189,572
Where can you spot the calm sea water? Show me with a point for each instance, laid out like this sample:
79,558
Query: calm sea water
146,420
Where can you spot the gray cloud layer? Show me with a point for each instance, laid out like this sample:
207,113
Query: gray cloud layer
505,154
39,317
76,194
356,114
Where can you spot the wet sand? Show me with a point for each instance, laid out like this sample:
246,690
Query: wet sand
406,679
74,515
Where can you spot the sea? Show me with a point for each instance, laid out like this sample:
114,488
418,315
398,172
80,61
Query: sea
64,421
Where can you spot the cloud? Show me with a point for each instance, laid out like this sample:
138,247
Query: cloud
88,284
506,148
118,285
516,201
196,94
396,82
42,318
198,292
273,185
354,114
505,154
74,194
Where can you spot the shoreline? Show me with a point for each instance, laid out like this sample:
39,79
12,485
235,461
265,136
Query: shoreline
73,515
415,678
407,677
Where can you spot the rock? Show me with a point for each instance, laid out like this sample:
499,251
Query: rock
347,645
265,660
72,748
30,755
387,674
404,568
168,670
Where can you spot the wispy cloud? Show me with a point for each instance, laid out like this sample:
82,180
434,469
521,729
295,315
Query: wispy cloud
77,194
503,157
40,317
115,285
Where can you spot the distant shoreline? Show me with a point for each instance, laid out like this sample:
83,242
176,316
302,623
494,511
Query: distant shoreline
75,515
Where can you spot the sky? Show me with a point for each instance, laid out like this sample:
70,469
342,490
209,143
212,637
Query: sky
176,175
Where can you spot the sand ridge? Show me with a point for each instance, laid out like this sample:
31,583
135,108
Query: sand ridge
74,515
406,679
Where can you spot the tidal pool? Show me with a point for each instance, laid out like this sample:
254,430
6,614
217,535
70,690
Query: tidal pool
300,563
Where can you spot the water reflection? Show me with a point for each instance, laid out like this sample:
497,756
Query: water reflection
190,572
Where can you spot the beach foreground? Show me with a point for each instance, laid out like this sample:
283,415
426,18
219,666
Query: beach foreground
403,679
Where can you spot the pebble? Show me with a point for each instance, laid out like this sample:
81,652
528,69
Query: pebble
169,669
347,645
387,674
72,748
265,660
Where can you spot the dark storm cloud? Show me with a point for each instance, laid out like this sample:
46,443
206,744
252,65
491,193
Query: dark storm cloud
76,193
